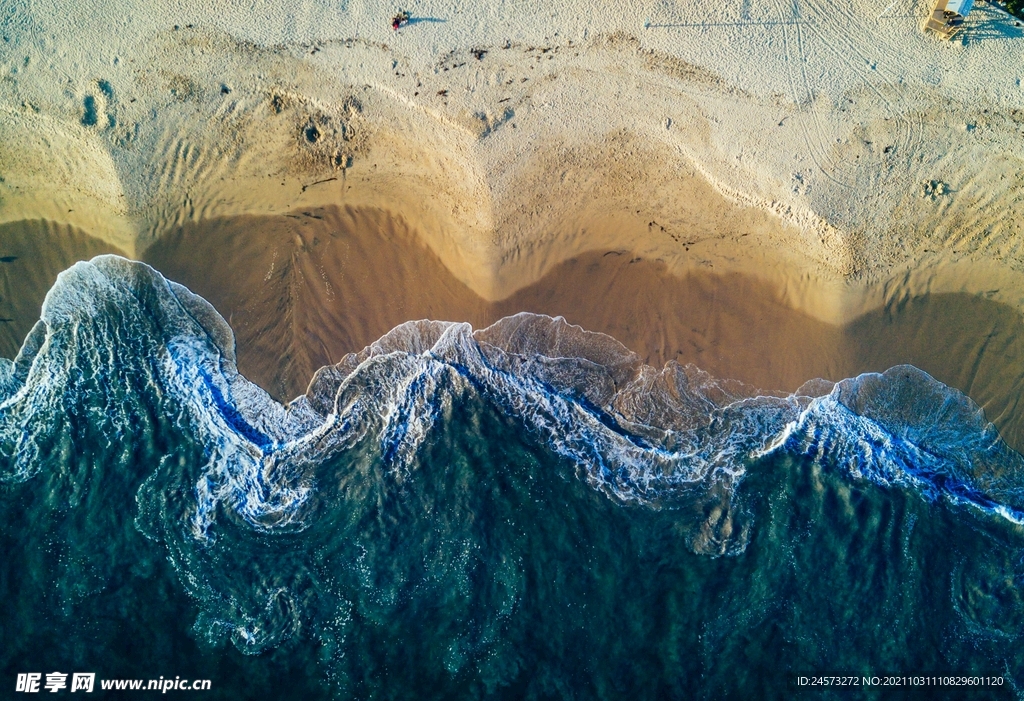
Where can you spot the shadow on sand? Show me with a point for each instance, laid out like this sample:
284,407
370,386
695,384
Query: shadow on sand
418,20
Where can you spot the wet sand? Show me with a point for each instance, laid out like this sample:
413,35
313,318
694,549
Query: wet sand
301,291
736,327
32,254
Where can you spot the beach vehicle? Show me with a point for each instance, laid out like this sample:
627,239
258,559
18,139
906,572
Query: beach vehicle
947,17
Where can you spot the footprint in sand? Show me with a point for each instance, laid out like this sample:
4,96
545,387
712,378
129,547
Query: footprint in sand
97,106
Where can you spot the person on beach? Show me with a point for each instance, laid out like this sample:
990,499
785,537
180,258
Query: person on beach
400,19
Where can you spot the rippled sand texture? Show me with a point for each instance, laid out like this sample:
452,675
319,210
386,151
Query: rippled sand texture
829,160
303,290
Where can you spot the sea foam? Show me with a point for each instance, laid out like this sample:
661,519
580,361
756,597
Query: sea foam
116,339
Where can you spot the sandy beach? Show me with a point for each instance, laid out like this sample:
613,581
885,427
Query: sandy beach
771,192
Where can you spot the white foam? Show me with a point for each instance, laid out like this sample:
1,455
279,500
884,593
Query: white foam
675,437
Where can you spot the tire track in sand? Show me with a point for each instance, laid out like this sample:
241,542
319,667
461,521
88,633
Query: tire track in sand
798,82
836,29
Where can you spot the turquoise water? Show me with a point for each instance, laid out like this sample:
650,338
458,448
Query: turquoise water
524,511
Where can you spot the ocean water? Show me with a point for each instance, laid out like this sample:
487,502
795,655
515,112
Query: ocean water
521,511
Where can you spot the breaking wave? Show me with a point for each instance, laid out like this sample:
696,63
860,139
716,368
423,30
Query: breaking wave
119,352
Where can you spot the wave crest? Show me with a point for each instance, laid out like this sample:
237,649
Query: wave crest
119,352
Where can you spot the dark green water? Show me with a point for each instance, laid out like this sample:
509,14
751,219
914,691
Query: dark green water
448,537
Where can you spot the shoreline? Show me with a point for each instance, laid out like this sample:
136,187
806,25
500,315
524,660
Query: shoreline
306,289
775,184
